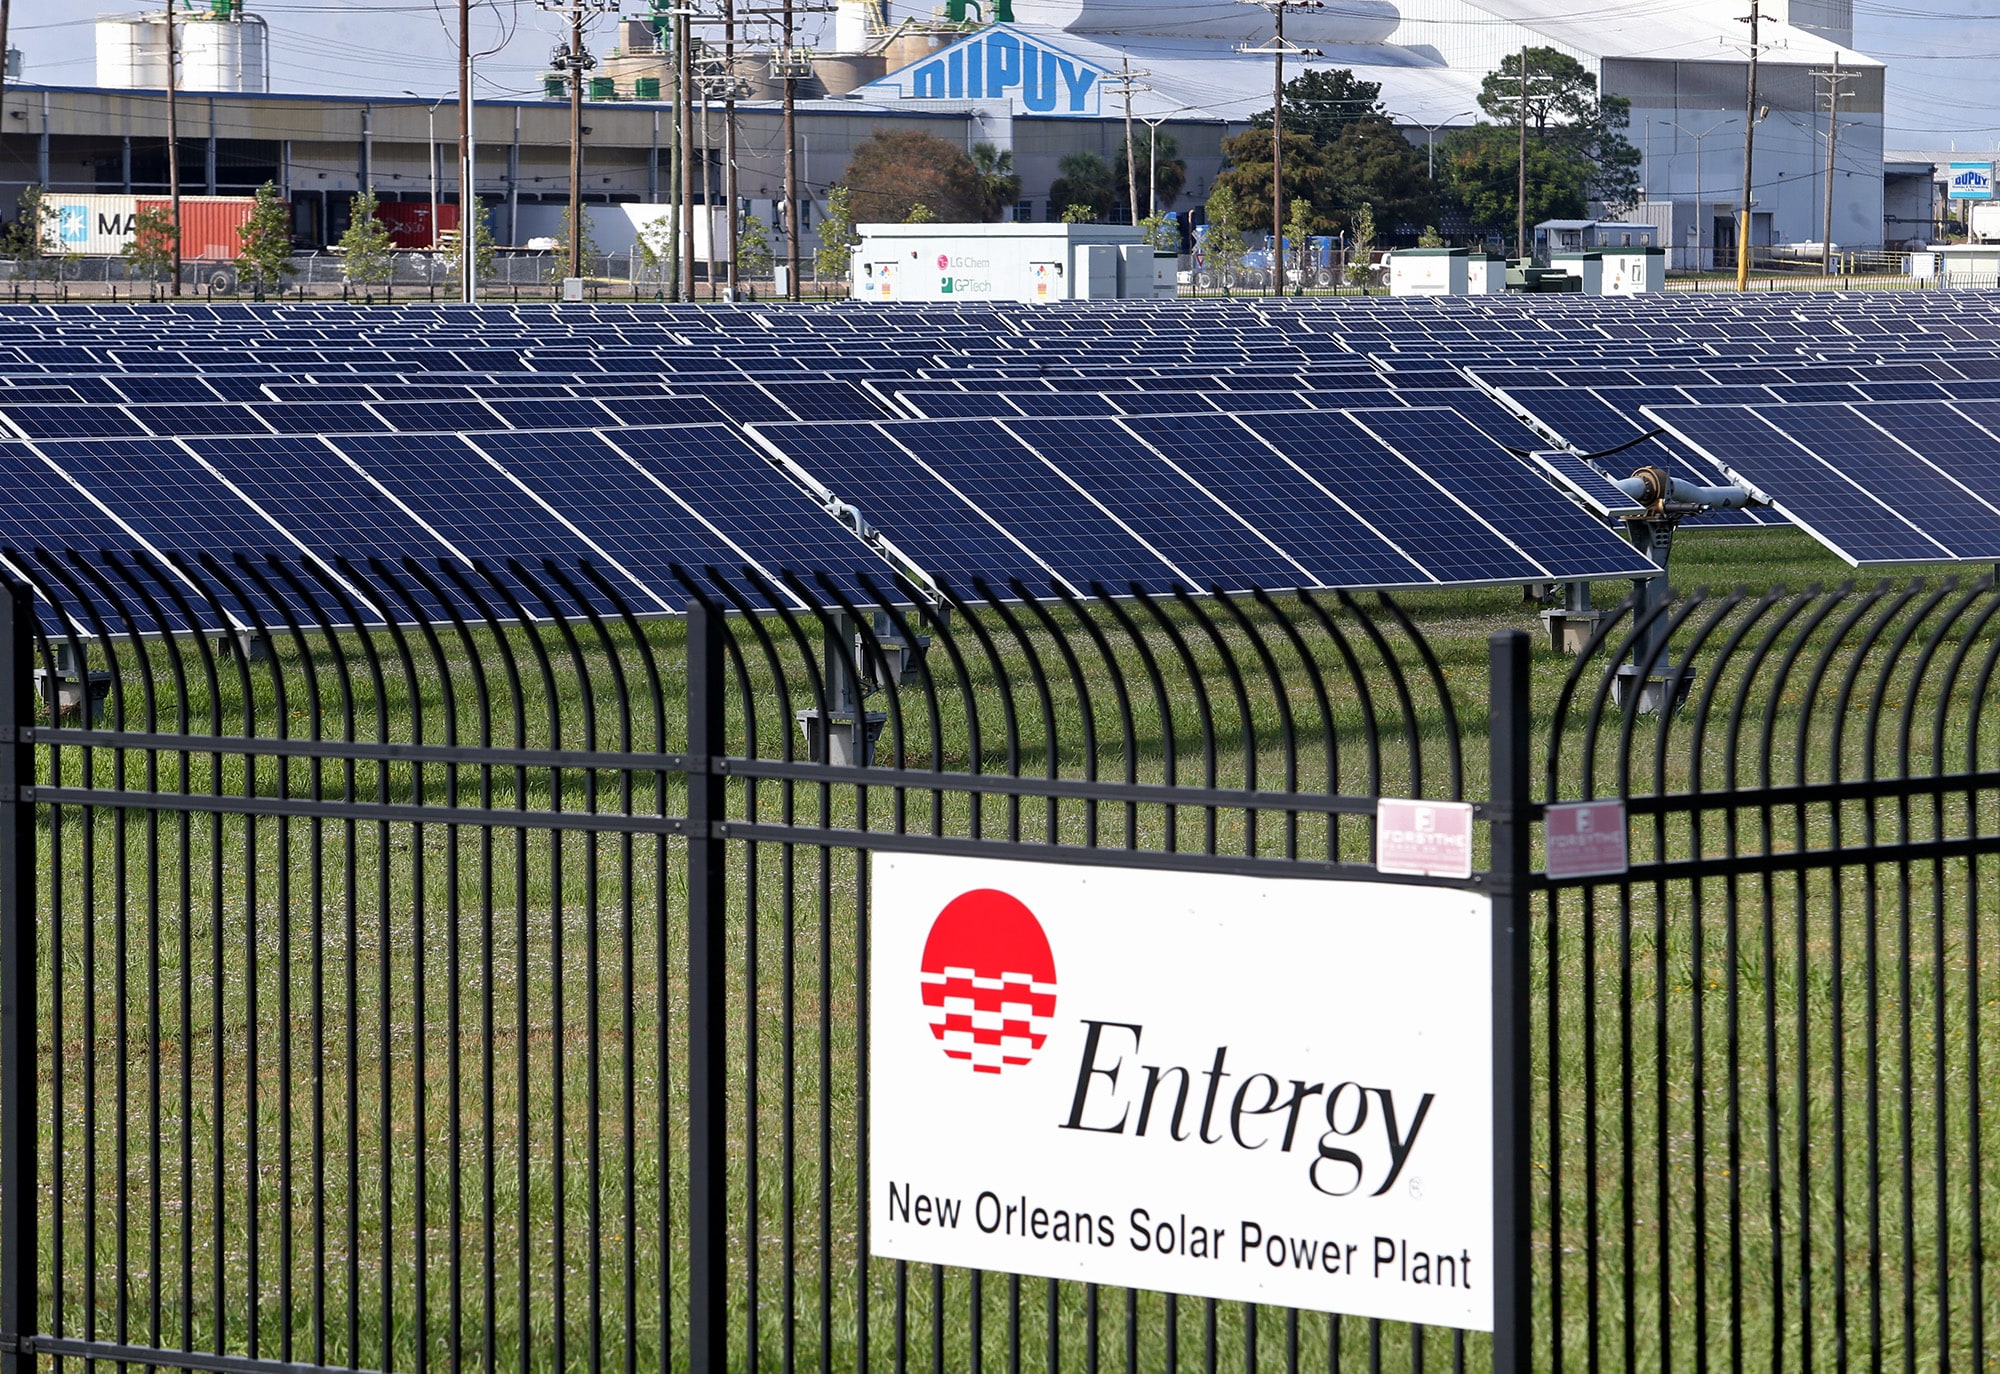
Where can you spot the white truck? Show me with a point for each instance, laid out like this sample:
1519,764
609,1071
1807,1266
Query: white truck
1982,221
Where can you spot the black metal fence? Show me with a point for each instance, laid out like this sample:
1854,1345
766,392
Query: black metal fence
488,990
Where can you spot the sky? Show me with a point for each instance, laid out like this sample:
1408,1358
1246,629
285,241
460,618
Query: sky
1941,53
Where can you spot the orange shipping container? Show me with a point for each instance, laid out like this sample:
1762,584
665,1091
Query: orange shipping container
210,225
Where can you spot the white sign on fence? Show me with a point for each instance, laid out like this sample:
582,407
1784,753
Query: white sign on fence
1423,839
1266,1090
1586,839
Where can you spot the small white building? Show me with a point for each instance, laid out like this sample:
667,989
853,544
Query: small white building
1030,263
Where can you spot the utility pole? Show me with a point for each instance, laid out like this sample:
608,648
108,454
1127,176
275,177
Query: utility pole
576,61
1128,81
174,142
1743,220
684,147
469,215
3,50
791,67
1521,185
729,136
1834,78
1277,49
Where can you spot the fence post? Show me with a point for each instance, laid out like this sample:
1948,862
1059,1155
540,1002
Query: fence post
708,1091
1512,886
19,1193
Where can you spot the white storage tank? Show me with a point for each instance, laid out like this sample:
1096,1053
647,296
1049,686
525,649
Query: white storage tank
221,48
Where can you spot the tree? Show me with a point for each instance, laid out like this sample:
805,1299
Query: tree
563,230
1360,256
36,247
1430,238
837,238
266,237
920,213
1368,162
999,183
1298,229
484,252
1163,231
1478,167
753,249
1079,214
1222,246
895,169
1084,179
150,254
367,256
1577,149
1322,102
1169,168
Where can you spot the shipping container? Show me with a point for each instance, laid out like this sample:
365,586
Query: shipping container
409,222
100,225
210,225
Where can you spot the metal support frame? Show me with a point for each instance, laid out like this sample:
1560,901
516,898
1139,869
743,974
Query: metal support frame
1511,885
1573,621
1646,683
708,1001
20,1197
842,733
69,688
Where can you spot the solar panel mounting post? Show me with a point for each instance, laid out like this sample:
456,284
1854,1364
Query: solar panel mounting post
840,733
1572,623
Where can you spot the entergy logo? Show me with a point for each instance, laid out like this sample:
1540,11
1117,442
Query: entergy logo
989,980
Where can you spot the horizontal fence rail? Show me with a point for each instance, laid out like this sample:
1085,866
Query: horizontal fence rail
390,993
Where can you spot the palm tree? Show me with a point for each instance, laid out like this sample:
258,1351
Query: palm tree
1169,168
999,183
1085,180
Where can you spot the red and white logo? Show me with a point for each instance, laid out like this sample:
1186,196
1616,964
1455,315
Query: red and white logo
989,980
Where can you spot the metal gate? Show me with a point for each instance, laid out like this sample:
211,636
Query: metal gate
488,988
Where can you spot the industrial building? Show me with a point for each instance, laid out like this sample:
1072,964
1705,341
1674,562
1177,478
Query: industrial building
1043,80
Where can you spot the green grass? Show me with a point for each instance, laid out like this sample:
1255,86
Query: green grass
200,946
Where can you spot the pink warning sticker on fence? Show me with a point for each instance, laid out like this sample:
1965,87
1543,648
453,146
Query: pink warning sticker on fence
1586,839
1424,839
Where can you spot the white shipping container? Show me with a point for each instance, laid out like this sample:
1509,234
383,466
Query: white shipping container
87,224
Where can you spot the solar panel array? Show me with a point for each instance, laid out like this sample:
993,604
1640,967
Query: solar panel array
1214,444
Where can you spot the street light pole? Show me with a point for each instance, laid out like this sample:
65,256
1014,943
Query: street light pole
174,141
432,139
470,215
1697,137
1430,141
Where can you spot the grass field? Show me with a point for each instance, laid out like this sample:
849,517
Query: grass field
399,1095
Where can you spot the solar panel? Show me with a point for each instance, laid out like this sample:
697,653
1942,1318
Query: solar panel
169,500
992,470
1599,494
1439,534
1188,526
466,503
1853,515
72,422
1538,521
714,470
945,535
1337,546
